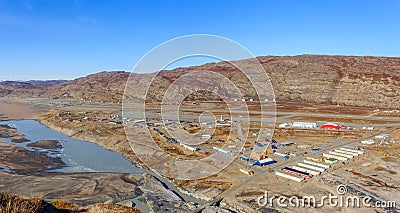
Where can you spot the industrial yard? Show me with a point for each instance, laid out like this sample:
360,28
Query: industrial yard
302,157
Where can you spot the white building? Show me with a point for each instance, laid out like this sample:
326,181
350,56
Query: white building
284,125
368,142
368,128
381,136
304,125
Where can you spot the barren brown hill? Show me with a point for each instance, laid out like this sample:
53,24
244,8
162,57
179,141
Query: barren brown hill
26,89
349,80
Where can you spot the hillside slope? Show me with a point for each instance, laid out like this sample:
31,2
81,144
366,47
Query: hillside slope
349,80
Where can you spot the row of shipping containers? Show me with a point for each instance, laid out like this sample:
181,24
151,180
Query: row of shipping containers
312,166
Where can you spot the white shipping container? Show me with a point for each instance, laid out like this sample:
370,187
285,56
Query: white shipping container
334,156
317,164
311,167
313,172
291,177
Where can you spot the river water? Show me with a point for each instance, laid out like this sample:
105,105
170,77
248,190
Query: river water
80,156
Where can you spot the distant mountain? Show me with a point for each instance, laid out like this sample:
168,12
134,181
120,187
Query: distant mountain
31,88
45,83
99,87
349,80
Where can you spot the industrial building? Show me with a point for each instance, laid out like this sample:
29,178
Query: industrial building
352,150
346,152
284,125
334,156
332,126
296,172
285,143
317,164
368,142
221,150
316,168
281,155
244,158
304,125
341,154
331,160
381,136
304,146
188,147
313,172
315,159
203,152
291,177
265,162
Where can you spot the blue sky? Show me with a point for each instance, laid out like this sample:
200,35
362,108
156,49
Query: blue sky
54,39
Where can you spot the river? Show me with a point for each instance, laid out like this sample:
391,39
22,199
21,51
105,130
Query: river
82,156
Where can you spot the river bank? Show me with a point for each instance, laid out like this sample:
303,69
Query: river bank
22,168
159,190
14,109
122,146
115,142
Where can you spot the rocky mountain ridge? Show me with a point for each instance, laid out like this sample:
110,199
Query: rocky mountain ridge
349,80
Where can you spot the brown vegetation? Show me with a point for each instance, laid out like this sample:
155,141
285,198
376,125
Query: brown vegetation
111,208
14,203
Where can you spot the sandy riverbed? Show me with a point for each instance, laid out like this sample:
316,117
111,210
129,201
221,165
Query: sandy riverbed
13,109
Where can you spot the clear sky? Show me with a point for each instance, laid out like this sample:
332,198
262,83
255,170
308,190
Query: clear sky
64,39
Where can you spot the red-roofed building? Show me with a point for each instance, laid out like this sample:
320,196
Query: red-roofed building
332,126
